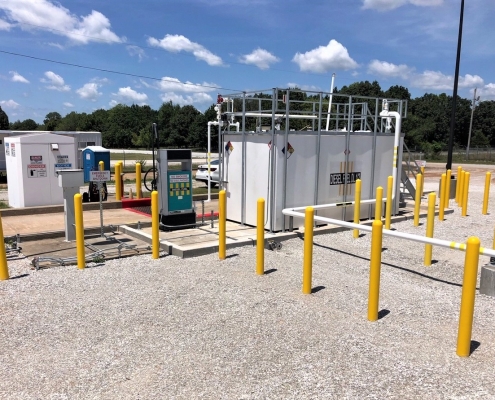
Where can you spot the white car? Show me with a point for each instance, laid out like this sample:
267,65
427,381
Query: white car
202,173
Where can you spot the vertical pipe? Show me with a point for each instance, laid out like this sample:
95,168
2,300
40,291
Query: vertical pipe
430,222
379,203
118,190
330,101
417,200
155,225
4,268
388,206
468,297
318,150
78,211
243,150
465,194
486,194
138,180
347,144
423,173
373,157
458,185
446,204
308,250
441,203
260,238
272,155
357,207
375,266
286,143
222,225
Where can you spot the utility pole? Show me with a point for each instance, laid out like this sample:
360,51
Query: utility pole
473,106
454,97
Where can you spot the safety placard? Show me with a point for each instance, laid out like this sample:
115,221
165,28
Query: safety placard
36,159
7,149
99,176
65,166
12,149
179,178
36,170
343,178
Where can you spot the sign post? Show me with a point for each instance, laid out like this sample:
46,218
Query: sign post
100,176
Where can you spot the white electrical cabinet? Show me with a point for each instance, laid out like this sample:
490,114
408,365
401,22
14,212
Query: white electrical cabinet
32,161
307,182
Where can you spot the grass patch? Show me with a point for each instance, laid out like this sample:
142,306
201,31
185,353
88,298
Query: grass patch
3,205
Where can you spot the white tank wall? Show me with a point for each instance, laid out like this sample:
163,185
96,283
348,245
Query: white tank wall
301,167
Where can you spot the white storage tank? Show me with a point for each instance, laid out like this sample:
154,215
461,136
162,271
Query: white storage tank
304,177
32,161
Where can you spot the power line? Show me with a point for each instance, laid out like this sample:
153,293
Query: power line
117,72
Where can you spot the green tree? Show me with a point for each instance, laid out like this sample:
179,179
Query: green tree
26,125
4,120
51,120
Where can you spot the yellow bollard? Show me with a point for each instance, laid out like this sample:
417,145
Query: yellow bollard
118,187
357,207
4,268
468,296
448,178
423,174
260,238
375,267
78,211
222,225
441,203
430,222
130,193
458,186
155,226
308,250
378,204
461,188
388,206
486,195
417,200
101,166
465,194
138,180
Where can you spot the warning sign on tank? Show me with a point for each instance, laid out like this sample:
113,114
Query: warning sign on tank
36,170
343,178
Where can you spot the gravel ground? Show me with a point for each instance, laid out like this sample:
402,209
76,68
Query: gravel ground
201,328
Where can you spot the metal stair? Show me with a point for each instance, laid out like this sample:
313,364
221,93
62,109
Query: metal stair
412,168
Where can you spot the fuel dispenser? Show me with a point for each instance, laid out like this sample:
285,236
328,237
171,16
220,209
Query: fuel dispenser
92,155
175,189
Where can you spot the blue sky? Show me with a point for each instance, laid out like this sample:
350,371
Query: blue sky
187,51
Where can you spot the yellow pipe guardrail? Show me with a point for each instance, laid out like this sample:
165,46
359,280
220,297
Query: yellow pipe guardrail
388,206
465,194
486,194
375,267
78,213
222,225
417,199
260,238
441,203
379,203
138,180
155,226
308,250
357,207
4,269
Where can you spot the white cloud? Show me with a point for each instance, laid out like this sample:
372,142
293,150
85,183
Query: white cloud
89,91
310,88
259,57
136,51
69,105
9,104
177,43
196,98
113,103
168,84
126,94
325,58
55,82
487,92
4,25
387,5
387,69
16,77
46,15
439,81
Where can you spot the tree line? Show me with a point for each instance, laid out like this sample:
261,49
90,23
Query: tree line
426,127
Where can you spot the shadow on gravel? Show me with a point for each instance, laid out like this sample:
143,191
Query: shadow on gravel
383,313
316,289
232,255
270,271
474,346
19,276
392,266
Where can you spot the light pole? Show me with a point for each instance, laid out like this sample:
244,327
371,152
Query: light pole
473,106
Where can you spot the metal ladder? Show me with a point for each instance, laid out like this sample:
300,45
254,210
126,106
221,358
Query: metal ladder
412,169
